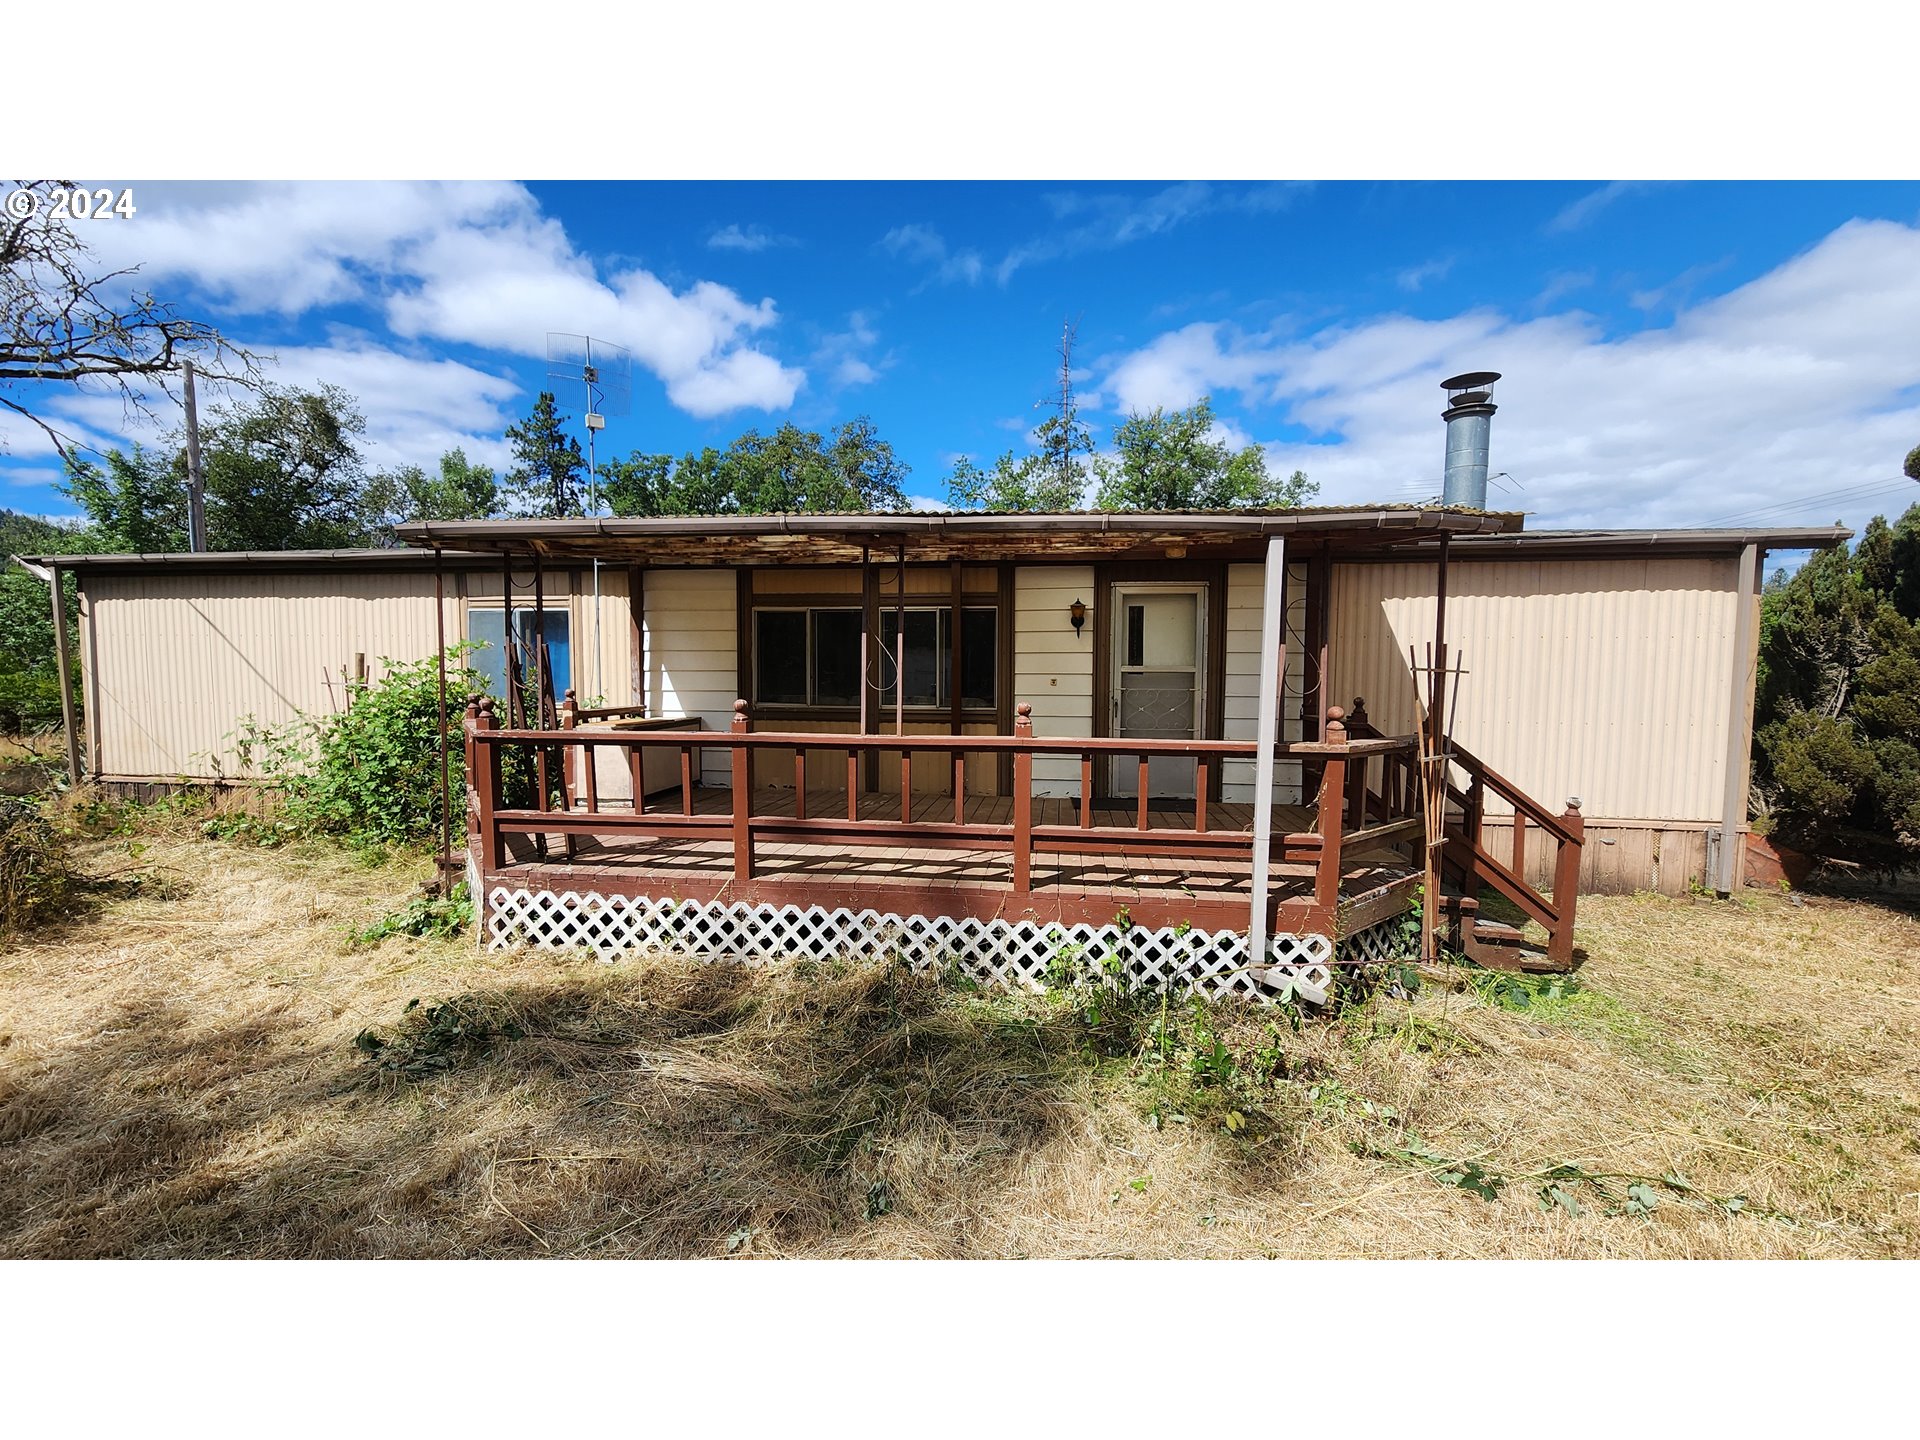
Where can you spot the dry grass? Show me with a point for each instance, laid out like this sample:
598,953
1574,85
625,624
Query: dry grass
179,1077
29,761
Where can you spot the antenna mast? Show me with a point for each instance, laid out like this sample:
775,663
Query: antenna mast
605,371
1061,444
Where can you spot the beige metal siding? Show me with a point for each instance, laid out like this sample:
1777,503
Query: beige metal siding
1052,665
178,660
1240,715
1605,679
691,637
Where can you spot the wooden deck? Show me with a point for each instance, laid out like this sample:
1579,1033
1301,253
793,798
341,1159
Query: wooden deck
1067,886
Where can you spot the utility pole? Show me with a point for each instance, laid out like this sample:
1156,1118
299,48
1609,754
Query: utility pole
196,494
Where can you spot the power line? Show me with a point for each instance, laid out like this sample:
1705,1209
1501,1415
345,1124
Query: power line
1844,495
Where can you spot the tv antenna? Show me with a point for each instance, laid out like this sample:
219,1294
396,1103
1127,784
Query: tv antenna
605,372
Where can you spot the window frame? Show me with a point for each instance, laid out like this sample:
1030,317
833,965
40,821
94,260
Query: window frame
812,702
548,614
880,618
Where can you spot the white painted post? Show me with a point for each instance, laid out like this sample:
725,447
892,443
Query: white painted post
1746,659
1273,620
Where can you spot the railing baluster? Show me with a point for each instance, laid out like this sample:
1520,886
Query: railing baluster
959,787
1141,805
686,779
1202,779
1086,790
799,782
853,783
906,785
1519,845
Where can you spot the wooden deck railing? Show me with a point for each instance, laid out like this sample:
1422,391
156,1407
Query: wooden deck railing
1468,856
1361,799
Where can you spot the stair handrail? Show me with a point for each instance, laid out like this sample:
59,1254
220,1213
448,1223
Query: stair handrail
1568,831
1493,780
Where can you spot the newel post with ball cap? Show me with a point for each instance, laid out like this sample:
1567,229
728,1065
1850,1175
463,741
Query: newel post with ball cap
742,782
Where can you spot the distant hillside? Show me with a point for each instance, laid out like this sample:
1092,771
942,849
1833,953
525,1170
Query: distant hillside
31,535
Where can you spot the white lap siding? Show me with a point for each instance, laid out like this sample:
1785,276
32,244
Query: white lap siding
1241,708
1052,665
691,636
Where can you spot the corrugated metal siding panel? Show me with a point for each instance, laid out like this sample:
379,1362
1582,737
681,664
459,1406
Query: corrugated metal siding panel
182,658
1605,679
1053,666
691,640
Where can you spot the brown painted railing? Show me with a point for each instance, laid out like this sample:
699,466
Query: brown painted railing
1469,857
1352,809
1466,857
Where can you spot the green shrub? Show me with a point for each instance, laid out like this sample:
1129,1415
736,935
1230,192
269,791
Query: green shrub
37,878
370,775
436,917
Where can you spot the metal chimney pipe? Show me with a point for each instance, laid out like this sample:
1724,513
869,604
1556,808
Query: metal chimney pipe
1469,417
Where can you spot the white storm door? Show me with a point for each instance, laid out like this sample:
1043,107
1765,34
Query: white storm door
1159,670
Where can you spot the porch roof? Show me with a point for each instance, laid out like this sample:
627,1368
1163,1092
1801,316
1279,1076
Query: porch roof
836,539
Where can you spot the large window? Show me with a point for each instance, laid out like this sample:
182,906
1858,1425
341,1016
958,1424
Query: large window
486,627
810,657
929,657
806,657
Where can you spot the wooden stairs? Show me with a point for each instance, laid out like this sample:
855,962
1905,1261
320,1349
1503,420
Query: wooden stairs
1468,867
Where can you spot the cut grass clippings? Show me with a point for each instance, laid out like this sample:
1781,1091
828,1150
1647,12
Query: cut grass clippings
226,1071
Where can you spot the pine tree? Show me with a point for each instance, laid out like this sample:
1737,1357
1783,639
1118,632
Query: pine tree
545,479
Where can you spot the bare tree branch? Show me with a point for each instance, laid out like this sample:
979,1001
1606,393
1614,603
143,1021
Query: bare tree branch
61,321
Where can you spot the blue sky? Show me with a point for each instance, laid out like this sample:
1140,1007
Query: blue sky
1675,354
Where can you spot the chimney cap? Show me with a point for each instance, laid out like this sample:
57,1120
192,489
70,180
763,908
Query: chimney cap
1471,380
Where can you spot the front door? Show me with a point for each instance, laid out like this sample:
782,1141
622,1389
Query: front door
1159,669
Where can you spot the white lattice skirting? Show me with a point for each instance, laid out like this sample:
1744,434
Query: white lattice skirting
1008,952
1378,944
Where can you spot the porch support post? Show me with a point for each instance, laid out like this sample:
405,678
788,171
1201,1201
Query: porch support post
1739,759
510,699
1273,630
63,670
440,696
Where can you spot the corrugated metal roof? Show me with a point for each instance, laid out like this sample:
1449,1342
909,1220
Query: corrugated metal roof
1428,521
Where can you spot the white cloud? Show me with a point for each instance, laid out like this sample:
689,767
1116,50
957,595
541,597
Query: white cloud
1089,222
1796,384
1587,208
33,475
924,245
1414,276
750,239
1561,284
477,264
848,356
416,408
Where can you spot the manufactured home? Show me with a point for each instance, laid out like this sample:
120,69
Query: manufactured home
989,731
